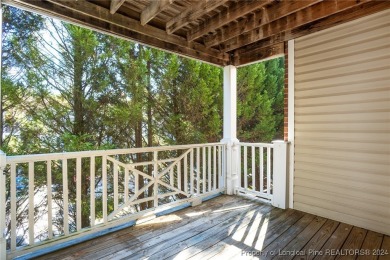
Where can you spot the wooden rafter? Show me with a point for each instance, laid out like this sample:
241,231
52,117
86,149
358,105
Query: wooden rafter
192,13
115,4
318,25
259,54
86,13
257,19
153,9
299,18
231,14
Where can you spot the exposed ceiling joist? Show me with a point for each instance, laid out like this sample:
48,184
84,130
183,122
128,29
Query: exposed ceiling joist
231,14
115,4
347,15
257,19
153,9
299,18
259,54
83,12
192,13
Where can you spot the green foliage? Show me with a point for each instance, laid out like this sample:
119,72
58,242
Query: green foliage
66,88
260,101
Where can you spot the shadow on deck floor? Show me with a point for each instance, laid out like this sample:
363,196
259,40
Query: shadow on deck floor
233,227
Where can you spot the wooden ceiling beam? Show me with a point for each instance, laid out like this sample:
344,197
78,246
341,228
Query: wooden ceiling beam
231,14
299,18
99,18
192,13
259,54
257,19
115,4
153,9
318,25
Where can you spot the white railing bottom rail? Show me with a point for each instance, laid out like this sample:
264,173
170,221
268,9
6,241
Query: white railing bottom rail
52,197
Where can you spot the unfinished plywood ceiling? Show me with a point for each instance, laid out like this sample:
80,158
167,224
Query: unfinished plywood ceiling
221,32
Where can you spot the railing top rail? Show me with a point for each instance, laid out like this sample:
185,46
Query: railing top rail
257,144
71,155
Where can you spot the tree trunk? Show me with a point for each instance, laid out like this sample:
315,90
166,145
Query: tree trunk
150,129
138,137
79,124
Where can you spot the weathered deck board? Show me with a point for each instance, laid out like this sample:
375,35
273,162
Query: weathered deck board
301,240
225,227
335,242
384,253
318,240
372,241
234,245
354,241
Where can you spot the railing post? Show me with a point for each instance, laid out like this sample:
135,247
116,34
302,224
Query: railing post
230,128
279,166
3,244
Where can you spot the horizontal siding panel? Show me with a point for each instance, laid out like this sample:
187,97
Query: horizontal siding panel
350,127
345,108
343,30
344,207
367,148
339,118
342,123
382,94
353,155
347,187
341,44
345,51
332,165
353,68
368,77
346,136
369,178
339,161
343,217
382,208
340,61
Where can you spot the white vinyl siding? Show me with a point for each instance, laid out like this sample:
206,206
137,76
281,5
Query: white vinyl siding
342,123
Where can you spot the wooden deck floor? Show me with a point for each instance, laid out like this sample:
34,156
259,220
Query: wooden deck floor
232,227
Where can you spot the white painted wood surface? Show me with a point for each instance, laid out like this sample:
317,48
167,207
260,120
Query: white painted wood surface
114,182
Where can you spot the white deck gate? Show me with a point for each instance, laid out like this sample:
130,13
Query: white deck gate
263,171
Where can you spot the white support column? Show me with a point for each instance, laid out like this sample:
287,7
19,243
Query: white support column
291,120
230,127
279,166
3,245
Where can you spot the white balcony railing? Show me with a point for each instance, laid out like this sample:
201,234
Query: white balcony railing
58,197
62,197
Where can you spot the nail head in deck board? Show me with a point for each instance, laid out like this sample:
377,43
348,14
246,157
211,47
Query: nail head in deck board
301,239
319,239
373,241
385,248
336,240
